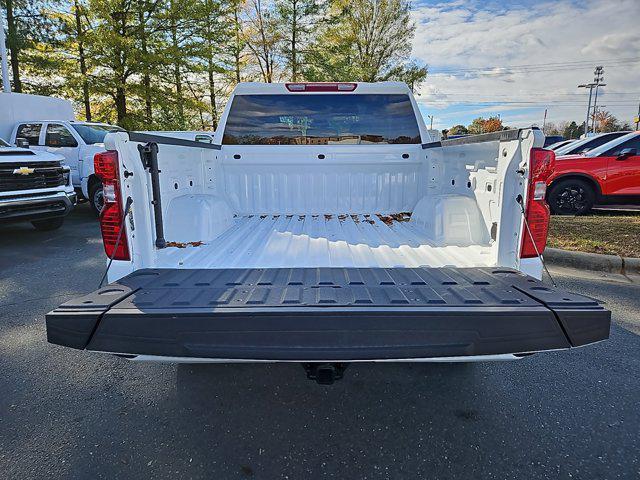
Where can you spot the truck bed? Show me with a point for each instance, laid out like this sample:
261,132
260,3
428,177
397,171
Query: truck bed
298,241
327,314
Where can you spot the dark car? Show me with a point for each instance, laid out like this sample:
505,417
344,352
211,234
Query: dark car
551,139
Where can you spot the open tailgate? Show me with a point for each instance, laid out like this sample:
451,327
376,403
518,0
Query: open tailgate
322,314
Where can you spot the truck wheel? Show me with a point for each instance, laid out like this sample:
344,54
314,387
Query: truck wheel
571,197
96,197
48,224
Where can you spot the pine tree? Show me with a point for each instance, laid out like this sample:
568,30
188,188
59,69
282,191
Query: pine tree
298,19
30,39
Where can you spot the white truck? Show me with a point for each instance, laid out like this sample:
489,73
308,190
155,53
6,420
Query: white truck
47,124
34,187
324,226
77,142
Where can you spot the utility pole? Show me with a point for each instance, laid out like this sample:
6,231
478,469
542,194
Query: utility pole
595,116
637,119
586,122
597,82
6,85
544,120
598,78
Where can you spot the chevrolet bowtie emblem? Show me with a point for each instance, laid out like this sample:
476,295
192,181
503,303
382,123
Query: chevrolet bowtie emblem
24,171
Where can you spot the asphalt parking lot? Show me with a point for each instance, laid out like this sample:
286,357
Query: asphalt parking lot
68,414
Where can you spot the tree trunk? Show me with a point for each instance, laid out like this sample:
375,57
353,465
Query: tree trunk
268,66
12,42
294,45
176,72
212,95
237,46
121,105
83,64
146,77
121,77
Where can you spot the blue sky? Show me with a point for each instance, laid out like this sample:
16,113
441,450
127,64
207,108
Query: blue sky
515,58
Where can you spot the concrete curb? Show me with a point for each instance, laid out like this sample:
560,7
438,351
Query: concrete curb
592,261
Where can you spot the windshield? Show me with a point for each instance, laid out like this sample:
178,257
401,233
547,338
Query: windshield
92,134
3,143
332,119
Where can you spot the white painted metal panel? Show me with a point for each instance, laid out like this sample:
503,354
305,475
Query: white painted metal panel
293,241
333,186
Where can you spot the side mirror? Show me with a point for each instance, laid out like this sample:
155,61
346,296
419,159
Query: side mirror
22,142
626,153
204,138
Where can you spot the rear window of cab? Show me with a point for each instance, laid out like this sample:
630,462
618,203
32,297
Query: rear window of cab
329,119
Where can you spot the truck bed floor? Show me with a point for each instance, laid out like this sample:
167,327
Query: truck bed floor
298,241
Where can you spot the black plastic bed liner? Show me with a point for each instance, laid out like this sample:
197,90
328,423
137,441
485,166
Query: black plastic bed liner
326,314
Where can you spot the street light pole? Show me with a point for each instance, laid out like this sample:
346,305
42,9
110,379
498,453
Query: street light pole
430,118
6,85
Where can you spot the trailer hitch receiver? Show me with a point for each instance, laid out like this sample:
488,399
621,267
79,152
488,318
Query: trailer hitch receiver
325,373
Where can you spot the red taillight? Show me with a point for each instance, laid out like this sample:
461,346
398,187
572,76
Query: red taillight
321,87
106,167
537,212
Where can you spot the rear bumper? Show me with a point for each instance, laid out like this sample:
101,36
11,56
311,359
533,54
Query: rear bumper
36,206
504,357
327,315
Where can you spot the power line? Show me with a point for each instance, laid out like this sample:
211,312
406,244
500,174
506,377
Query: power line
634,94
512,72
588,62
569,64
521,102
500,71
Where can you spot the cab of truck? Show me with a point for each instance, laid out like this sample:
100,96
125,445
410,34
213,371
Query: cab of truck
324,225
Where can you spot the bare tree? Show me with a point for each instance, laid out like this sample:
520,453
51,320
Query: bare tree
263,37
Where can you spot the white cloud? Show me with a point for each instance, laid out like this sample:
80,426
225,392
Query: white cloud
469,35
612,44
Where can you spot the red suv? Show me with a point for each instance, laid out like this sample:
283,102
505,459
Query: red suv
607,174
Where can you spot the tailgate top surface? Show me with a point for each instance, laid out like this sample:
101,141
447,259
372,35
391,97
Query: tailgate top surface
178,289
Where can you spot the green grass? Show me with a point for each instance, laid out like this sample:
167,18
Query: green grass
608,233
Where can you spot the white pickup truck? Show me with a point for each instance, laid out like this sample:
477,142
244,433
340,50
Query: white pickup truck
324,226
34,187
77,142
